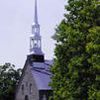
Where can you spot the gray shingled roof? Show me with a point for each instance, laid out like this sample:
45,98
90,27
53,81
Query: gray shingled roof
41,74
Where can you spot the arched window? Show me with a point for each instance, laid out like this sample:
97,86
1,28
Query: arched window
22,88
26,97
30,88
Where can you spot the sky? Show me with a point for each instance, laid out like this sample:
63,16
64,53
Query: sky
16,18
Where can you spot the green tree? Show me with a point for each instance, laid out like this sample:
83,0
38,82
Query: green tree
76,69
9,78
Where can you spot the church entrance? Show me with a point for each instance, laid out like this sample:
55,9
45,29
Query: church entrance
26,97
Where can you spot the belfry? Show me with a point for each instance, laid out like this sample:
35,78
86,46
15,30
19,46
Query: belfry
36,75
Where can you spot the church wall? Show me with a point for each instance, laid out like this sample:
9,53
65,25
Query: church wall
27,88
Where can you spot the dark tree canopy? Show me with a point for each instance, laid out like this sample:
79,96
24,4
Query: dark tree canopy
76,70
9,78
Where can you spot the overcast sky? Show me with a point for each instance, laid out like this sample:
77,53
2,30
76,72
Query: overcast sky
16,18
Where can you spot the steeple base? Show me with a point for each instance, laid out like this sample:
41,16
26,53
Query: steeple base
35,58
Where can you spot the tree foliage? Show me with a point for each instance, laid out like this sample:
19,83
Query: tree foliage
76,70
9,78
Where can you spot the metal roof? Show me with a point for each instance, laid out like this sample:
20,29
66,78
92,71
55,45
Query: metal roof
41,74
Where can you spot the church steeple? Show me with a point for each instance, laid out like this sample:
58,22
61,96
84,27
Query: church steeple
35,38
35,13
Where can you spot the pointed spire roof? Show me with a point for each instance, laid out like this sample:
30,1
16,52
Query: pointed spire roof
35,13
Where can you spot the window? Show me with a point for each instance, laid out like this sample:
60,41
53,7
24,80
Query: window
26,97
30,88
22,89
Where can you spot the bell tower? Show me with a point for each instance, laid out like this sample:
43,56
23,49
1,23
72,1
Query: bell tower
35,39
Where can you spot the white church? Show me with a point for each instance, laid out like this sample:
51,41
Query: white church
34,82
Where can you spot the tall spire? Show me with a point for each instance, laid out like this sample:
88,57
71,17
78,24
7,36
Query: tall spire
36,53
35,38
35,13
35,26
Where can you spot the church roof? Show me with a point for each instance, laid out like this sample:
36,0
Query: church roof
41,74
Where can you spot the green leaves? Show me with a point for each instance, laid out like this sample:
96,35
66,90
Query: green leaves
76,70
9,78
